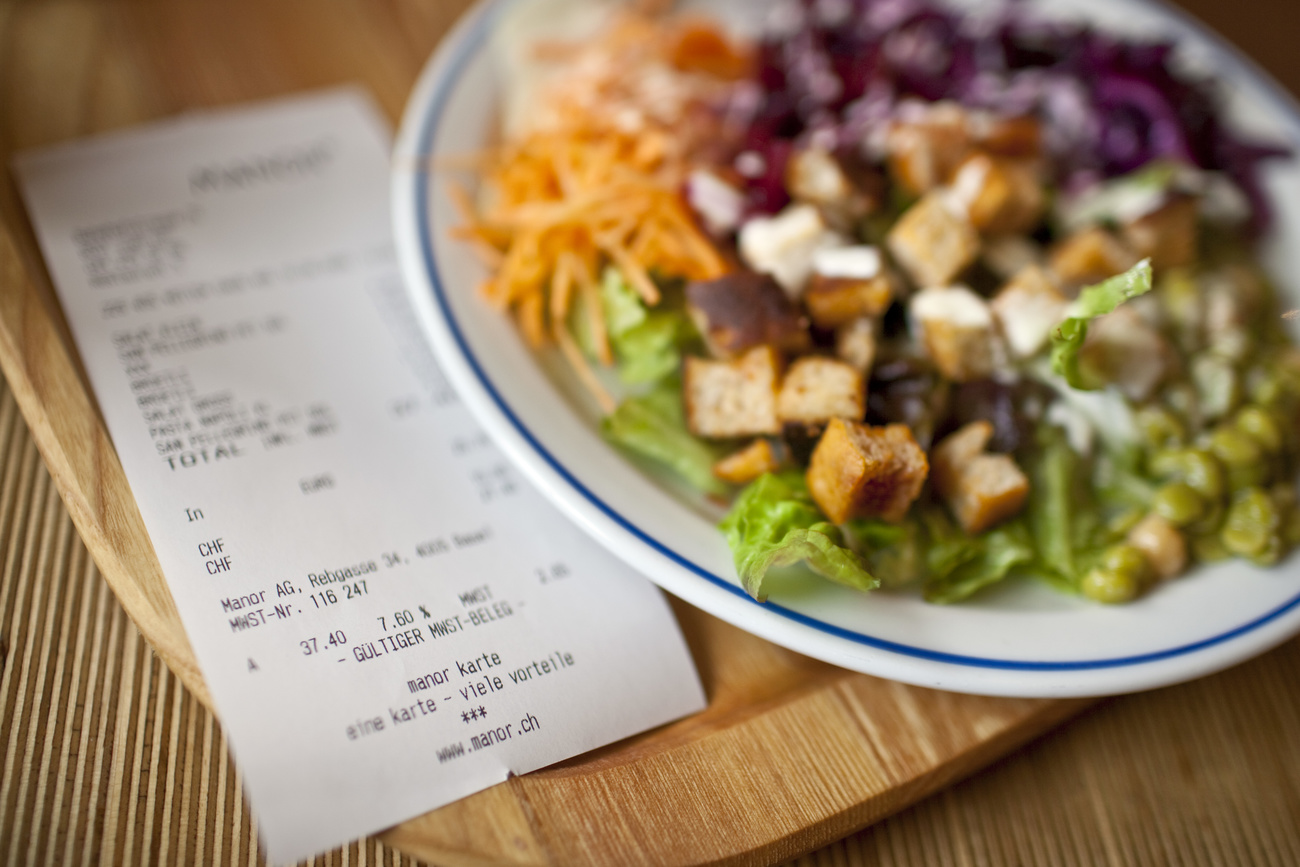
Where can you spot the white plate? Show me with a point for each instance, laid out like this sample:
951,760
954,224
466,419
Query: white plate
1021,639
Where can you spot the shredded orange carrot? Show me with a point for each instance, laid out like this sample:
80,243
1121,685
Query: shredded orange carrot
597,181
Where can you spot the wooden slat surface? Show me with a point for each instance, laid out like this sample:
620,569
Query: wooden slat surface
105,758
108,758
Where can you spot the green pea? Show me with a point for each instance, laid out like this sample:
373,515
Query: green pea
1241,457
1178,503
1104,585
1251,525
1234,448
1160,427
1198,468
1260,425
1126,559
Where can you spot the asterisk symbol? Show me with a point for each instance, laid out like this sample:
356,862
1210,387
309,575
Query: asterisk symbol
482,710
464,717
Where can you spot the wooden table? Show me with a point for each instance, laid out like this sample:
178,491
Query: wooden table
108,757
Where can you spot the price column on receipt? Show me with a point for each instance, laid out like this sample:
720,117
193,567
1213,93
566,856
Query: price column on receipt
388,617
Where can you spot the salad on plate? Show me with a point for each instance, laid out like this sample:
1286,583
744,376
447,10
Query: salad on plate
914,296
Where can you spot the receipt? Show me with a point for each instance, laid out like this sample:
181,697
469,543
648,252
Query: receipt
388,617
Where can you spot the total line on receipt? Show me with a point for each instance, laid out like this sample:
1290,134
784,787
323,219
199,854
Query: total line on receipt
388,617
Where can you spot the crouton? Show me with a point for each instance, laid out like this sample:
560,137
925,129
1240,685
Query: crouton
957,332
742,467
1168,235
732,398
847,283
1122,348
1090,256
1027,309
783,245
933,240
816,389
858,471
926,144
1161,544
1001,196
855,343
981,490
741,310
956,451
817,177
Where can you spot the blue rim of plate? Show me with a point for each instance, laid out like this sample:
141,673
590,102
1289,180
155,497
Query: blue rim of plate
428,126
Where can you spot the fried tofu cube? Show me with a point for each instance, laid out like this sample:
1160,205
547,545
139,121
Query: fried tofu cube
741,310
855,343
816,389
1001,196
725,399
1027,309
957,330
783,245
1168,235
858,471
1161,544
981,490
742,467
1090,256
847,283
934,240
958,449
926,144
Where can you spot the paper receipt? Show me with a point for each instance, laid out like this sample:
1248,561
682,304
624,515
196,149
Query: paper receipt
388,617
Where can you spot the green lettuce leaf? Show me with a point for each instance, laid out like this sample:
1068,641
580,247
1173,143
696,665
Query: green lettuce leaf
646,343
1094,301
894,553
1055,479
1063,515
652,350
775,523
960,565
653,425
623,307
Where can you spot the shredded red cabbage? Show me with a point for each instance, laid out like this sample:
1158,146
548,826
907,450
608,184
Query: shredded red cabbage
835,68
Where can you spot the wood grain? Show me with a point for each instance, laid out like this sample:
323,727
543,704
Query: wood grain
790,753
